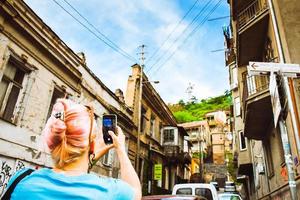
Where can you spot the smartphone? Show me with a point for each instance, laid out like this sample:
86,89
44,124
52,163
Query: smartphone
109,123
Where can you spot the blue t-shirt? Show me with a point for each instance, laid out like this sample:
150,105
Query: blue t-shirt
47,184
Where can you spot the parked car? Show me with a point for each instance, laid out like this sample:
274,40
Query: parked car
216,185
229,196
200,189
173,197
229,186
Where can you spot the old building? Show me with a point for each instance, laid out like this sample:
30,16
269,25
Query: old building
219,135
199,136
264,31
36,68
162,159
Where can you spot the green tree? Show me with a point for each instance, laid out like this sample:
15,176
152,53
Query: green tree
194,110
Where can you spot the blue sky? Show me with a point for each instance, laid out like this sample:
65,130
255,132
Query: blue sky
131,23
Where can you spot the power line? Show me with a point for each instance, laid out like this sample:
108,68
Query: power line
98,31
158,49
191,33
182,33
92,32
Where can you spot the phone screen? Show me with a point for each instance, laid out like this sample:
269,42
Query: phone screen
109,123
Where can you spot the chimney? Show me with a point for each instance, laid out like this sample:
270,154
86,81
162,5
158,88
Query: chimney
81,55
120,95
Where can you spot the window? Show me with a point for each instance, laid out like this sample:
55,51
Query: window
243,141
143,119
210,118
169,135
152,126
98,121
160,127
234,77
57,93
237,106
251,84
127,144
108,158
10,86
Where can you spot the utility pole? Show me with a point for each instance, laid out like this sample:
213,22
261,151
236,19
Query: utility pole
142,63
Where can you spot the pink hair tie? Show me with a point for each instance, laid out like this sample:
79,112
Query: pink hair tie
60,115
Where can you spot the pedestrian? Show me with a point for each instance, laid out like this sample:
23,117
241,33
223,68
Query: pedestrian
75,143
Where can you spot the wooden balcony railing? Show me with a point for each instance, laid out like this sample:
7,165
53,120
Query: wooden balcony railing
171,151
251,12
176,155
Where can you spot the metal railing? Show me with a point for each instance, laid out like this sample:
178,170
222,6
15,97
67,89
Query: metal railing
253,85
251,11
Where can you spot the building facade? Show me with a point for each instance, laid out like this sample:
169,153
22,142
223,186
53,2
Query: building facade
262,31
162,160
199,136
36,68
221,142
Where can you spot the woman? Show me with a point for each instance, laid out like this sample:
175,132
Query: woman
75,145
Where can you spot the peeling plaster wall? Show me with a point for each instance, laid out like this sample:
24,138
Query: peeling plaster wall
21,144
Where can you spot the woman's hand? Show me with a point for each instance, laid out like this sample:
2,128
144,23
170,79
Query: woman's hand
118,140
100,147
128,173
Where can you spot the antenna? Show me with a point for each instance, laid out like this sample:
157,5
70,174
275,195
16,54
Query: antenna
142,54
189,91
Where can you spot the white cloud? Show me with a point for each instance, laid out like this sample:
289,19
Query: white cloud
130,23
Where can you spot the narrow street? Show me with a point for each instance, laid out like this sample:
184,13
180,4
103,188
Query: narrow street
207,94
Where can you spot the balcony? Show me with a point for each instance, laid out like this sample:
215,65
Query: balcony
252,26
174,154
258,114
171,151
251,12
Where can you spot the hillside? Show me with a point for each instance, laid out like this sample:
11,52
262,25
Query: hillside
196,110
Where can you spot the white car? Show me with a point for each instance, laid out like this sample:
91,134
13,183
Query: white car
201,189
229,196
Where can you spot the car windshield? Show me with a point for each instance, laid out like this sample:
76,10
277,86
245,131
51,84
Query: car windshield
229,197
204,192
